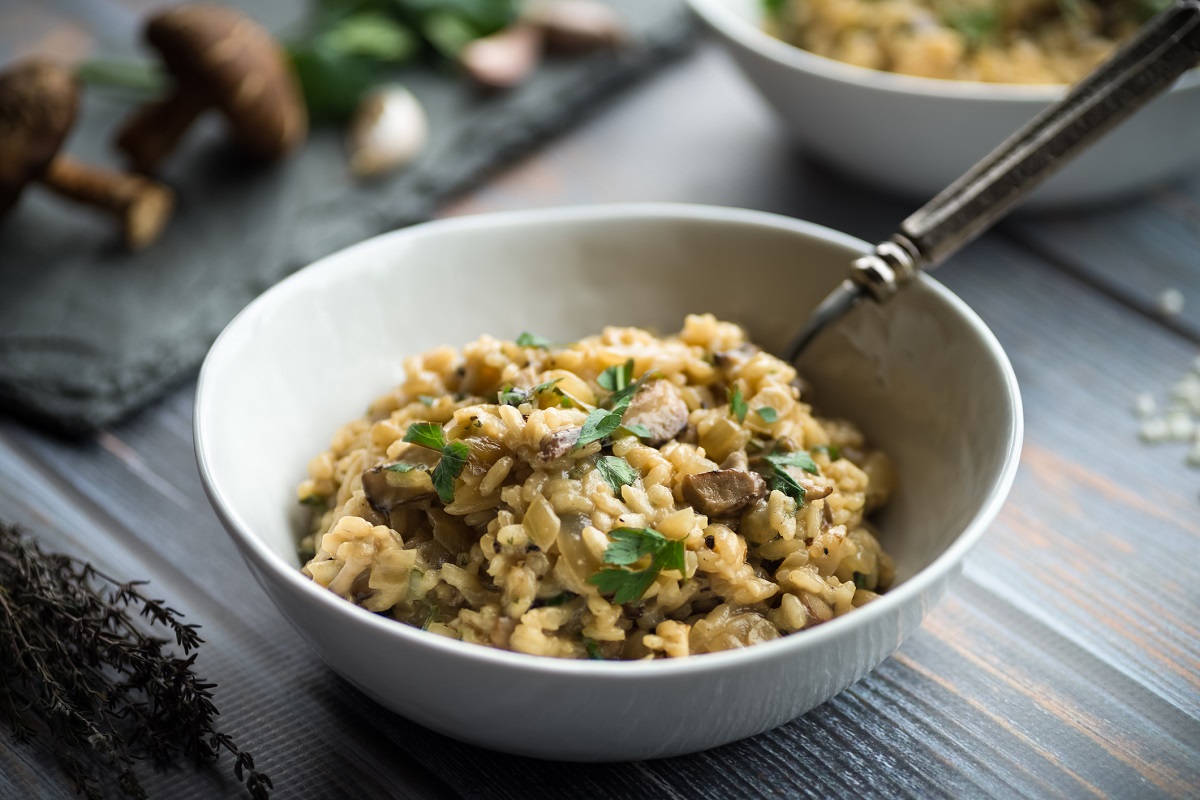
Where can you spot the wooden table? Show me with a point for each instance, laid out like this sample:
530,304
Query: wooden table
1065,662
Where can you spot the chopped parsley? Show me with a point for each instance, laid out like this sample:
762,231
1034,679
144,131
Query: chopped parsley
428,400
832,450
860,580
977,24
618,377
401,468
602,422
782,480
593,650
617,472
556,600
629,545
638,430
450,466
768,414
315,500
737,404
527,339
509,395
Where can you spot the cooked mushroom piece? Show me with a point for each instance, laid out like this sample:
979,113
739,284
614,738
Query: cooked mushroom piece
38,99
220,59
556,445
660,408
723,492
389,485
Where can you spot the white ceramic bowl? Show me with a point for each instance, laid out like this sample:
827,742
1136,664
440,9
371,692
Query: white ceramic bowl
927,381
914,135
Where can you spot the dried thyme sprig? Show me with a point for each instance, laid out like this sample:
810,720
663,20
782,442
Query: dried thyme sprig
76,665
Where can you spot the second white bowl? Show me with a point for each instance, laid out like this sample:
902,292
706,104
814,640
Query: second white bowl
914,136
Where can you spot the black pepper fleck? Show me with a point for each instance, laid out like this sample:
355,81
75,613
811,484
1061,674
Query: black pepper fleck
710,542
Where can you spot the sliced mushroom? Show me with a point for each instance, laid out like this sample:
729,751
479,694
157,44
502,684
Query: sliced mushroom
386,487
660,408
556,445
219,58
723,492
38,99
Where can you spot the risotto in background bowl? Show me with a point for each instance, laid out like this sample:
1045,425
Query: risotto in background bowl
925,383
914,135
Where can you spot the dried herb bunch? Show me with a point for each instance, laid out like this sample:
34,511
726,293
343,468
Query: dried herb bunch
77,666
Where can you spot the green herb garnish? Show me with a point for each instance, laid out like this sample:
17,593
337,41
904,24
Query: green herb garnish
454,456
314,500
860,580
617,377
832,450
527,339
593,650
629,545
977,24
556,600
768,414
599,424
617,472
637,429
737,404
427,400
401,468
782,480
511,396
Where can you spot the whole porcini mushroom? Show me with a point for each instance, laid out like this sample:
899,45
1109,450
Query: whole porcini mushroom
38,99
220,59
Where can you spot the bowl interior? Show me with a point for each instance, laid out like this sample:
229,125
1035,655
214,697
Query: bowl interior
924,377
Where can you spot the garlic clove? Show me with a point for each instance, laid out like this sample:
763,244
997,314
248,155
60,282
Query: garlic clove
504,59
388,130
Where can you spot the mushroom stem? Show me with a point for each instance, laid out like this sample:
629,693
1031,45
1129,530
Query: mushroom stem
155,128
143,206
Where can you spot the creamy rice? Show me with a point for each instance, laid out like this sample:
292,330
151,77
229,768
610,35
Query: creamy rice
1004,41
720,514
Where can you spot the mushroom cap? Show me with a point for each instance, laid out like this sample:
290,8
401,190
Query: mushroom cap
38,98
239,67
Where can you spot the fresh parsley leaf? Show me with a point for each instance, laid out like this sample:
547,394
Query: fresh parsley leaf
317,501
426,434
617,377
556,600
599,424
401,468
511,396
625,586
617,472
593,650
427,400
832,450
638,430
454,458
619,400
768,414
799,459
737,404
860,580
628,546
774,7
781,481
527,339
976,24
544,387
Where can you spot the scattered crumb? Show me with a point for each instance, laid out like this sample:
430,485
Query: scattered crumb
1170,302
1177,419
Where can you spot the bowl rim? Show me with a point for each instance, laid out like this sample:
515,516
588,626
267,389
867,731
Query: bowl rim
719,17
945,565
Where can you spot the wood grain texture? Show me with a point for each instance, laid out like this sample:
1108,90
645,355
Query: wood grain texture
1065,663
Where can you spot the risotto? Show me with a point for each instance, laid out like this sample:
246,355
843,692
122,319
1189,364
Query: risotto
621,497
1005,41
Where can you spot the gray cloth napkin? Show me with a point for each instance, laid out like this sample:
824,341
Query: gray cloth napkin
90,333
